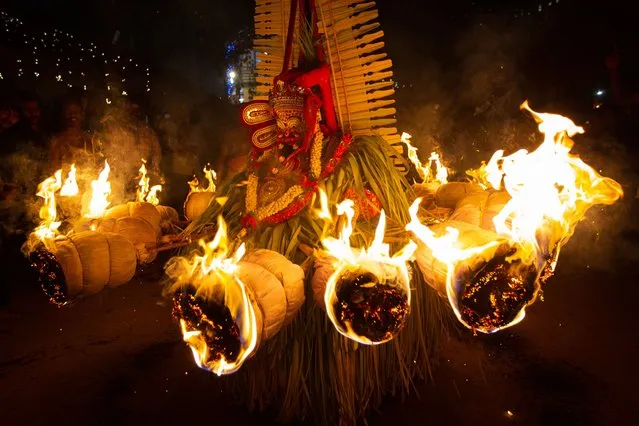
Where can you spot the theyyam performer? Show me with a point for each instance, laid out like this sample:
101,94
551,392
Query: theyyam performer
322,288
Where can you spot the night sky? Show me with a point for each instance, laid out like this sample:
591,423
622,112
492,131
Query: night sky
188,37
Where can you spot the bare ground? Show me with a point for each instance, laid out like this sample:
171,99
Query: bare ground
117,358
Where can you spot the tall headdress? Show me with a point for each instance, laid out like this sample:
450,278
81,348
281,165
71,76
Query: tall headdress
361,78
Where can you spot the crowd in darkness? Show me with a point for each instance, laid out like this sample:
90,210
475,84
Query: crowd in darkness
39,137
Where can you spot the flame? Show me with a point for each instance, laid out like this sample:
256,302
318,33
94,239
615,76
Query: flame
447,249
425,171
441,172
213,275
100,191
550,189
70,187
143,183
46,231
194,185
210,175
152,195
323,212
376,258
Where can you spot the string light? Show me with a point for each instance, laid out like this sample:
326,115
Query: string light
75,62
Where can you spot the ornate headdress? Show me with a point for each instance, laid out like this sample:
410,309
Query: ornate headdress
326,81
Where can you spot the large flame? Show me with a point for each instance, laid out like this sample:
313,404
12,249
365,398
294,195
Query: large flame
70,187
100,191
375,259
550,191
213,277
426,171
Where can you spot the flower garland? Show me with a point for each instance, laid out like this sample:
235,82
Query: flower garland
291,210
339,152
316,152
279,204
251,193
296,198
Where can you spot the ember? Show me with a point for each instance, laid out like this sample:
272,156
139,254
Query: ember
497,294
213,322
370,308
367,297
50,275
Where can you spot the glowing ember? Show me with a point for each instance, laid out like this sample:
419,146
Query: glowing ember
550,192
100,191
212,304
426,171
368,296
70,187
143,183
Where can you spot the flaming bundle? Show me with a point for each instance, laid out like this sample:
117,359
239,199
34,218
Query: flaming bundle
367,295
500,247
83,264
93,246
200,197
227,305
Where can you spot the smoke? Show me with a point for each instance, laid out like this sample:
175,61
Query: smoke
460,95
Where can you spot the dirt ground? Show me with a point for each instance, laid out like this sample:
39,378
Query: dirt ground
117,358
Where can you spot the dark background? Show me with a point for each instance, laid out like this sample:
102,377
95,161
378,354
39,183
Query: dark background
463,68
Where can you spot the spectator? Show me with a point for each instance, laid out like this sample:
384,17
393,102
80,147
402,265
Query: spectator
31,128
73,144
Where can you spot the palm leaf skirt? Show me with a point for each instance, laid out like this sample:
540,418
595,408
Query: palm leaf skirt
308,371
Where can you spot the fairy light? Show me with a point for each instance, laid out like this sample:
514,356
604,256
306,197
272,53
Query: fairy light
73,59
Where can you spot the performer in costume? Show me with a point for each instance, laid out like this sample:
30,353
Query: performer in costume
322,120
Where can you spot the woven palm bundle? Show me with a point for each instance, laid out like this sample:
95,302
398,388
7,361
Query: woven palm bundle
308,371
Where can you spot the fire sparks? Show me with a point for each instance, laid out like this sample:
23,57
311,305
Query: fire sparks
70,187
426,171
550,191
368,296
100,191
216,316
